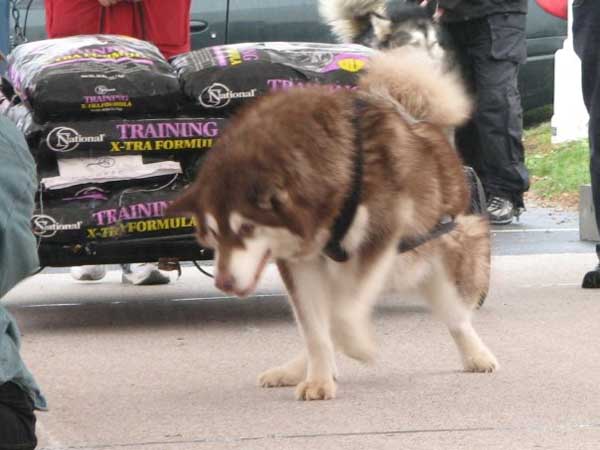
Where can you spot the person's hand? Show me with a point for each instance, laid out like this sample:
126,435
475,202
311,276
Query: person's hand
106,3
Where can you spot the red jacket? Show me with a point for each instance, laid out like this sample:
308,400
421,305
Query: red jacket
164,23
558,8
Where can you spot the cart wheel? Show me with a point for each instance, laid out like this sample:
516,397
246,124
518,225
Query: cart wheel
478,200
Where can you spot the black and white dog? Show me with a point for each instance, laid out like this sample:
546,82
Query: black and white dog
382,24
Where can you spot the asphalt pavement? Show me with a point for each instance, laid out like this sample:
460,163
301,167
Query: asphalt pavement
174,367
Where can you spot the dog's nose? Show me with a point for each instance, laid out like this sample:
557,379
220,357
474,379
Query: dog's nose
225,282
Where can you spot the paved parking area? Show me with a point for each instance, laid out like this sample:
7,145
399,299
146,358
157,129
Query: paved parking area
174,367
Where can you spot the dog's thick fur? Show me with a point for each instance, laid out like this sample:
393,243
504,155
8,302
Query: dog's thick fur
386,24
275,182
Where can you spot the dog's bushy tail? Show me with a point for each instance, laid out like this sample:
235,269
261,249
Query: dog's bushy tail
418,82
349,19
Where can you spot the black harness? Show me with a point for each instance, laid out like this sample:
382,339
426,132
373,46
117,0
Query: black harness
343,221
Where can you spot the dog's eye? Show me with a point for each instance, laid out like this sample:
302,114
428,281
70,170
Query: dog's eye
246,230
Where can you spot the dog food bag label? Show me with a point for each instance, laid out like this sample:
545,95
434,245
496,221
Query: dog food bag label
91,75
104,169
111,212
222,78
128,137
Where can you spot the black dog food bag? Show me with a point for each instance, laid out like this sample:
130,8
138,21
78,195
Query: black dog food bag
221,78
92,75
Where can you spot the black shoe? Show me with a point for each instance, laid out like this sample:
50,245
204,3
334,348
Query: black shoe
591,280
501,211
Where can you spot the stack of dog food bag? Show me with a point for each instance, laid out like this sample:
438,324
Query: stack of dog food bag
111,148
117,131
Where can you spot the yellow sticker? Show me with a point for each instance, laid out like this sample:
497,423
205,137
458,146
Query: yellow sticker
351,64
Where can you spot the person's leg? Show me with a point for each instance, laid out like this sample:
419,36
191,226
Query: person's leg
497,47
138,274
586,34
166,25
144,274
466,136
17,419
72,17
88,273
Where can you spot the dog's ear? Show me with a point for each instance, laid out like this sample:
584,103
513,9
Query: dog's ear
184,205
272,198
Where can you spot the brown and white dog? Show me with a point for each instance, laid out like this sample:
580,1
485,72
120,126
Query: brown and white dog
330,185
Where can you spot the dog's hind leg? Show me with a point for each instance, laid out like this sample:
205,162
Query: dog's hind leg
453,310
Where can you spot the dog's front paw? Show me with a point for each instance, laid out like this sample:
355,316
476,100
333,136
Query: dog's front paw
482,361
278,376
316,390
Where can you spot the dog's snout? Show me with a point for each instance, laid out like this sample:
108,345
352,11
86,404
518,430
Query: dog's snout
225,282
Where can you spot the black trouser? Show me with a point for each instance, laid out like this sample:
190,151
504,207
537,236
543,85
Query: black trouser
586,34
490,51
17,420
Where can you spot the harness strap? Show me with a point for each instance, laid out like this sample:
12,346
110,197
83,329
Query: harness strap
333,249
446,225
342,223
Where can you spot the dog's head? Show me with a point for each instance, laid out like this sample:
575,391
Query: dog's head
392,24
405,23
257,197
246,220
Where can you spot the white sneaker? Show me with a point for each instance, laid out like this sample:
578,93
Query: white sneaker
143,274
88,273
501,211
